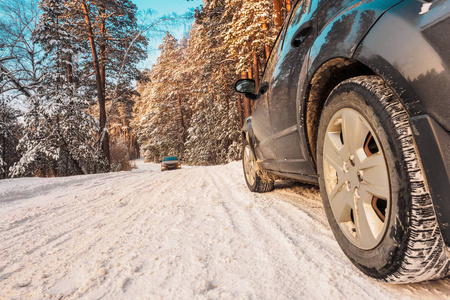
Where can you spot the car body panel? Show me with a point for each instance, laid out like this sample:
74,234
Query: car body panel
416,63
341,35
283,87
262,134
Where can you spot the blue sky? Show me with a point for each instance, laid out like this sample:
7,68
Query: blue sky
163,8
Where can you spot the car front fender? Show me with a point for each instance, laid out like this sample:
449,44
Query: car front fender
406,48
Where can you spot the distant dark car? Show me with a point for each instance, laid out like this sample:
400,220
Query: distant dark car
355,98
170,163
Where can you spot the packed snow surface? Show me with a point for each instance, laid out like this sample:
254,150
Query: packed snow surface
194,233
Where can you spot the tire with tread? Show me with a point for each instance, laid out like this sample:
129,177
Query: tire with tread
412,248
259,184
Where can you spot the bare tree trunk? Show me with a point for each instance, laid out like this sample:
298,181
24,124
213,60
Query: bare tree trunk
241,121
183,134
103,46
278,18
250,76
256,70
247,107
239,104
288,5
265,28
100,91
5,173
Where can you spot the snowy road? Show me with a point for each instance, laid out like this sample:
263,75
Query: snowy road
194,233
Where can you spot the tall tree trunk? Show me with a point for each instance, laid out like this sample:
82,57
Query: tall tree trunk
288,5
5,173
100,91
278,15
265,28
256,70
183,134
103,45
247,108
125,124
239,104
250,76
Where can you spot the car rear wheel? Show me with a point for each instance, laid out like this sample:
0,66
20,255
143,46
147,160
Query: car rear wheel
373,187
252,173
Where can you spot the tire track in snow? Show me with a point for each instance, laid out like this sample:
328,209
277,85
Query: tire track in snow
57,216
68,216
281,245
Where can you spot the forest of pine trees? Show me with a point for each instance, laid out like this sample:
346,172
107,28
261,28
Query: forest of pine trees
187,104
73,101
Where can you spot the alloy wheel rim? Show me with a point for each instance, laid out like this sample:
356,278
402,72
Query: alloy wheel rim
356,179
249,166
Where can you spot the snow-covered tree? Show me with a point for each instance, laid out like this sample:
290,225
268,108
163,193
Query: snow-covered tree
59,136
20,57
60,133
10,132
162,127
189,102
215,128
116,47
228,39
251,32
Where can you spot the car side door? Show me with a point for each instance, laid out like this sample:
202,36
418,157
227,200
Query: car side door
260,118
297,39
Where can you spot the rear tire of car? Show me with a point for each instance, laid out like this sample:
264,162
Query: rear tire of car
373,186
252,172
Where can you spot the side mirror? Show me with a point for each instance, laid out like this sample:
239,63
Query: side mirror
245,86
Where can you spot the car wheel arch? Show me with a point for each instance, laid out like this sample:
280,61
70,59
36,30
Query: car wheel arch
320,84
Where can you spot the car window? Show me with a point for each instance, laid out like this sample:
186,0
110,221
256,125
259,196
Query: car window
299,9
271,61
169,158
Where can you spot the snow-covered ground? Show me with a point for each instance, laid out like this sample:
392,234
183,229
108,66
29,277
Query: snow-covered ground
194,233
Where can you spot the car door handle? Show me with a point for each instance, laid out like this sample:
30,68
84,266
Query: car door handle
263,88
302,34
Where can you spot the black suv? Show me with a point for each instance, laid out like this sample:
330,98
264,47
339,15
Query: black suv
355,98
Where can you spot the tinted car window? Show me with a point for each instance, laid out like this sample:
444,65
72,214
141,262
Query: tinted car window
170,158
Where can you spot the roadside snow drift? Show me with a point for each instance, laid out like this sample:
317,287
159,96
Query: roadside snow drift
194,233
